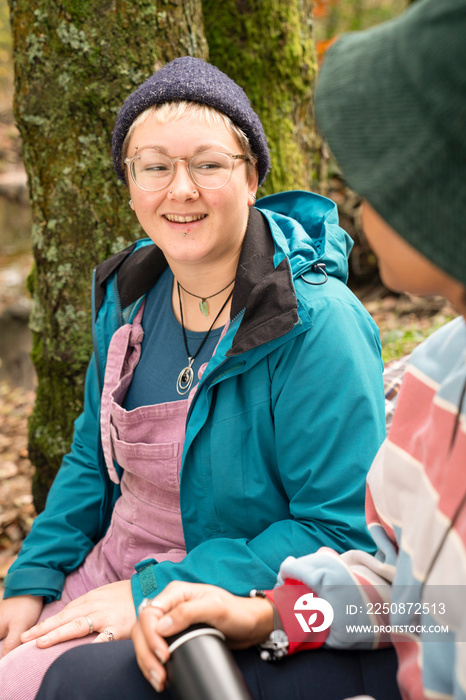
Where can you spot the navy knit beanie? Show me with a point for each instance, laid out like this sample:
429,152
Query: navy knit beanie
193,79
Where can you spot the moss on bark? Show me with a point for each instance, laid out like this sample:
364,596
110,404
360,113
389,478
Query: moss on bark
75,63
267,47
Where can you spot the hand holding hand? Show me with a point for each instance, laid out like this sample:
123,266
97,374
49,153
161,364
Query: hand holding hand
108,610
244,621
17,615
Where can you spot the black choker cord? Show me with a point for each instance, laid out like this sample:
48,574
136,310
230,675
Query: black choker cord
203,305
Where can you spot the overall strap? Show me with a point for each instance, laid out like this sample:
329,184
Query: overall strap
123,355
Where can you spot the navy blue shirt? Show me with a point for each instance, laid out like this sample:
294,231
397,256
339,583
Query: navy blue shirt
163,354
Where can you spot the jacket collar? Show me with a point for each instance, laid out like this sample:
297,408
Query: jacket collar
265,292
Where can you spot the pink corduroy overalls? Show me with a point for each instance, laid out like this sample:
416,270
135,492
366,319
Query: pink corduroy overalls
147,443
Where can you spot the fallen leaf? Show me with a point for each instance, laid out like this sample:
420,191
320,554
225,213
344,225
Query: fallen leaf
8,469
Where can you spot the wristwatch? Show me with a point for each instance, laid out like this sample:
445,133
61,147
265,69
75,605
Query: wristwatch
276,646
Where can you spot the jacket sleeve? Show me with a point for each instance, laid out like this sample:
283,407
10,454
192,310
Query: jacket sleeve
72,521
328,413
356,584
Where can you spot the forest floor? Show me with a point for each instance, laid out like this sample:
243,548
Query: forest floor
16,507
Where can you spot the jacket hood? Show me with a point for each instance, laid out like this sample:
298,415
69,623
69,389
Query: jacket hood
305,227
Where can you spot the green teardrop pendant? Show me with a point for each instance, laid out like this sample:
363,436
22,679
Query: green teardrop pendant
204,307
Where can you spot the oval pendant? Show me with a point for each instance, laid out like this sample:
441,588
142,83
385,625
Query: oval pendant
185,380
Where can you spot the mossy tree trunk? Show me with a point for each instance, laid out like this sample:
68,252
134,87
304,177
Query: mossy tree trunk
75,63
267,47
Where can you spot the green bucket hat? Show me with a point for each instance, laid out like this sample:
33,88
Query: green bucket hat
391,102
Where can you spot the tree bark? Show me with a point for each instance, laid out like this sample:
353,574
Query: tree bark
267,47
75,63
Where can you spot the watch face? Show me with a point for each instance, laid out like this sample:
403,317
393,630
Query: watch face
279,638
276,646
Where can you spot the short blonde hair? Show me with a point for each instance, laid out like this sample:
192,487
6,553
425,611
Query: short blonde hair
171,111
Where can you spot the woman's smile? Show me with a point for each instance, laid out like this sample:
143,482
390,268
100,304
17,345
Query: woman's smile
187,219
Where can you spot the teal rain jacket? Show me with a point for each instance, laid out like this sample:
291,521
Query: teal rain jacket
282,430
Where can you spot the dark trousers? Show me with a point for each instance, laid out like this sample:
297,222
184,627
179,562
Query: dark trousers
109,671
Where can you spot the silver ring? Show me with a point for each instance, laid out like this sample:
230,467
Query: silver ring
145,602
156,605
90,623
110,636
149,601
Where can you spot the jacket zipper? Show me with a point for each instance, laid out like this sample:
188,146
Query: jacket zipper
116,293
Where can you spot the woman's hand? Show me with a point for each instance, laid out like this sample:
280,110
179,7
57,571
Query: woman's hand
109,608
17,615
244,621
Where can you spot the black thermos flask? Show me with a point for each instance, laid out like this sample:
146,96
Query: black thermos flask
201,667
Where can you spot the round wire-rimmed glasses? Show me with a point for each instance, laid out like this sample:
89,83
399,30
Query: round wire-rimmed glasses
153,171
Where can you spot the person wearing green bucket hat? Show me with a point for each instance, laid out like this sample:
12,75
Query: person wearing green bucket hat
391,102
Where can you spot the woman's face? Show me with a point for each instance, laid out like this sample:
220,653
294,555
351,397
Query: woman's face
191,225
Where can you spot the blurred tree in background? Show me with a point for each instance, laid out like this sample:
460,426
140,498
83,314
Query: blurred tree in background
268,48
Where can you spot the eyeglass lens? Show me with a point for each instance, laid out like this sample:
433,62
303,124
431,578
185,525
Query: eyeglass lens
153,171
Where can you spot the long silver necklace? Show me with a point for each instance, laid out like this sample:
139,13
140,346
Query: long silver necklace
203,305
186,376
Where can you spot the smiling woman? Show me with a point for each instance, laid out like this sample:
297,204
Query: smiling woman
234,401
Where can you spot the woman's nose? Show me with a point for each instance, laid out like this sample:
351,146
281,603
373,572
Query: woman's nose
182,186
